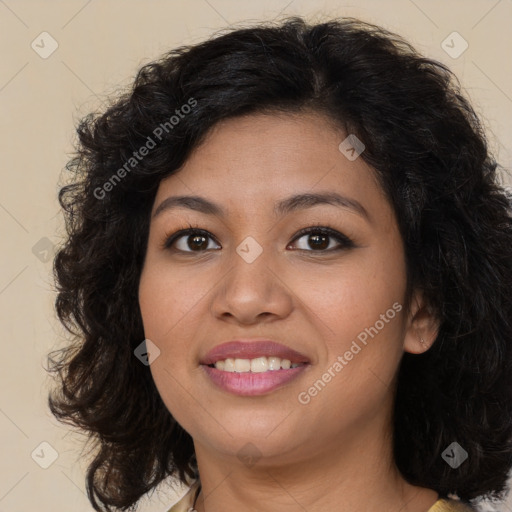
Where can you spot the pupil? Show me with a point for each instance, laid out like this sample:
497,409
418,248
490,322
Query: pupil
198,242
317,238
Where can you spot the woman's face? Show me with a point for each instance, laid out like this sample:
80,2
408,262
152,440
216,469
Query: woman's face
252,278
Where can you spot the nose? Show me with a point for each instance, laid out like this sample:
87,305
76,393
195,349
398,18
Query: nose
252,291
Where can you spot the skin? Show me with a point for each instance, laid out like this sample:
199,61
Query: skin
335,452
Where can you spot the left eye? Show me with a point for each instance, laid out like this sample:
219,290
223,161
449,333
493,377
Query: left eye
318,238
196,240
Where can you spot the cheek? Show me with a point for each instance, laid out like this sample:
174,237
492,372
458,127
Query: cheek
172,308
353,296
358,311
166,301
361,326
166,297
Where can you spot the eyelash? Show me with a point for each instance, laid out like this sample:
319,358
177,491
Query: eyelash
343,240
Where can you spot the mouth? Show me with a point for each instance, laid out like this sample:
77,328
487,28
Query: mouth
250,367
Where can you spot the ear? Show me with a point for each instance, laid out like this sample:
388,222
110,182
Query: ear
422,324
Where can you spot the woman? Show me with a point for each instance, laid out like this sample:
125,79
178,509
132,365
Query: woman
288,268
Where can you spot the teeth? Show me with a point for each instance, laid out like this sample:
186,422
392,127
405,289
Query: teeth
257,365
242,365
274,363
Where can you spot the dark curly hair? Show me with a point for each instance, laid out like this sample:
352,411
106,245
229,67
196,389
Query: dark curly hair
431,158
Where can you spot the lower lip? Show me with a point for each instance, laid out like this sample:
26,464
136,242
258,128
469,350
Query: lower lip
252,384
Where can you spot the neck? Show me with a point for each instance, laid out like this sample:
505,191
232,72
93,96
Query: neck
355,475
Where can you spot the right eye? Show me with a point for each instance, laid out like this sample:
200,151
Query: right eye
188,240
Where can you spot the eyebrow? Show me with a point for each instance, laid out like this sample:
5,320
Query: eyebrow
283,207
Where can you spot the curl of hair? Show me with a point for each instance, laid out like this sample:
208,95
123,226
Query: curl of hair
431,158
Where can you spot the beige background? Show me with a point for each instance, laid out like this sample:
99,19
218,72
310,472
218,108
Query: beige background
101,44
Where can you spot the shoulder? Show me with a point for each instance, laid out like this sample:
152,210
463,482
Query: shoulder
448,505
186,503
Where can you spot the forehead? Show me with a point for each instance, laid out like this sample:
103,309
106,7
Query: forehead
255,160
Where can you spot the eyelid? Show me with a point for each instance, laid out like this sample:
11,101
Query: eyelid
171,237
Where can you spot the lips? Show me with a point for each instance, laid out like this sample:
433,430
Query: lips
251,349
253,384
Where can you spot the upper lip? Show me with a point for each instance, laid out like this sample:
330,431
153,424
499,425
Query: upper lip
250,349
